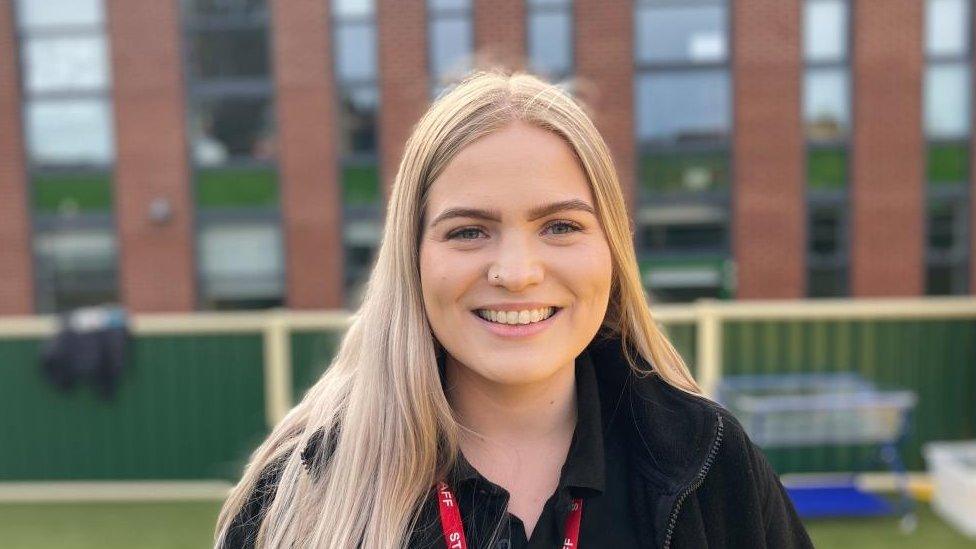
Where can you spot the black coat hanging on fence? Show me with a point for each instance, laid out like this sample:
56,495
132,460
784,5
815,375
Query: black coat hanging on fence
91,346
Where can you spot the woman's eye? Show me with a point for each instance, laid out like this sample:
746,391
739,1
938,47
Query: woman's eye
465,231
471,233
572,227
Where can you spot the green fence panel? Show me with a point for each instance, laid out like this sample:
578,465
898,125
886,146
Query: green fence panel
311,353
192,406
188,407
683,337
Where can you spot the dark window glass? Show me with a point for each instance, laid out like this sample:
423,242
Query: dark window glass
224,7
357,115
224,129
683,107
75,268
825,231
550,42
229,53
829,281
941,233
688,34
684,237
355,51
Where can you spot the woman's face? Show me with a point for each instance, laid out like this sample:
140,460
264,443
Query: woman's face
515,204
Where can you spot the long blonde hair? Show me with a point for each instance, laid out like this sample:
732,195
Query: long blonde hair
381,396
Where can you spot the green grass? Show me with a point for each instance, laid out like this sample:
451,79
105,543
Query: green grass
215,188
948,163
237,187
190,525
87,193
827,168
883,533
361,185
174,525
666,172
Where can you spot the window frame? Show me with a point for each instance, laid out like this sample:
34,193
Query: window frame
836,198
199,90
713,204
363,215
956,195
48,297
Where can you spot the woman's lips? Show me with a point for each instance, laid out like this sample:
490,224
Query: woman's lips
517,330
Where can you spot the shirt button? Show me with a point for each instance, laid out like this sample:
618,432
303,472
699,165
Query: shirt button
503,544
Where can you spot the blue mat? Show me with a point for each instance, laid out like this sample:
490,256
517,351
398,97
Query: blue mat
837,501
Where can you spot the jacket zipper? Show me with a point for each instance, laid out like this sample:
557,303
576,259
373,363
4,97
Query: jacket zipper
673,519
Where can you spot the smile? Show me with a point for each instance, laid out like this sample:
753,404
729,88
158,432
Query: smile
528,316
535,321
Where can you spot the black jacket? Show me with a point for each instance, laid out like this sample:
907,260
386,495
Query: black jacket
697,480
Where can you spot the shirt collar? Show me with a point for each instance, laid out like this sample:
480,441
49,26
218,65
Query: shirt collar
584,467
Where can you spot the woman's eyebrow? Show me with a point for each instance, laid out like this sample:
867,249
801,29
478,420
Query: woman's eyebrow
534,213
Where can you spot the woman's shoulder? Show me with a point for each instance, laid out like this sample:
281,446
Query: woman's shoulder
746,475
735,473
243,529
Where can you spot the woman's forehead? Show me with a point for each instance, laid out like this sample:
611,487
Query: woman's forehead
519,149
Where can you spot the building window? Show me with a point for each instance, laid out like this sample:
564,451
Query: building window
450,39
550,38
354,26
827,125
67,118
233,151
947,120
683,123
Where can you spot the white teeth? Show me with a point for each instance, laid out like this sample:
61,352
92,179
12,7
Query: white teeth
527,316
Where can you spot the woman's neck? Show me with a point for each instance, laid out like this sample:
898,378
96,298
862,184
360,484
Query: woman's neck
503,416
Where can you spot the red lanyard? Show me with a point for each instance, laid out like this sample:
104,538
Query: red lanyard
454,531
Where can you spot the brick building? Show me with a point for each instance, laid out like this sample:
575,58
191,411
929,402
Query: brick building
218,154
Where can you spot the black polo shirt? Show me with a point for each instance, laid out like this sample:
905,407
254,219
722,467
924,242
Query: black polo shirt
596,469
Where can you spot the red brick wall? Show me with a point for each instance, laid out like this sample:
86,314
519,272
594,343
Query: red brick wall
769,203
499,33
156,261
16,257
887,194
309,173
403,78
603,46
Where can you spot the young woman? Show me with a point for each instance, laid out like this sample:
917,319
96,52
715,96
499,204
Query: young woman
504,383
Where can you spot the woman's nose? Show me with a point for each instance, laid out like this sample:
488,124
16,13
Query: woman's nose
517,265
